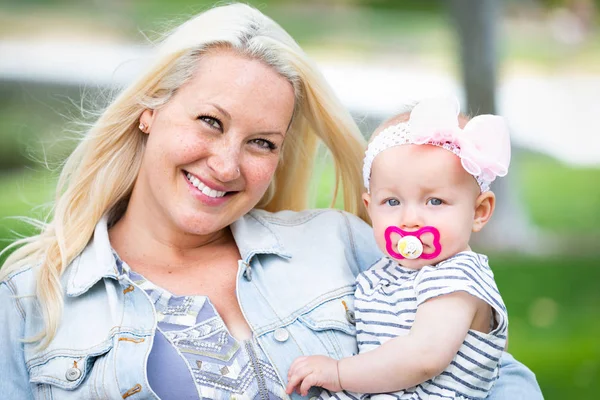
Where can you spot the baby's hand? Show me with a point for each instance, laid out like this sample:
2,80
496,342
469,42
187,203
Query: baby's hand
306,372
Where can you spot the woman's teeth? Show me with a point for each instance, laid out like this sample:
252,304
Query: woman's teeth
203,188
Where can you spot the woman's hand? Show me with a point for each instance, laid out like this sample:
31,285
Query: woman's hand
306,372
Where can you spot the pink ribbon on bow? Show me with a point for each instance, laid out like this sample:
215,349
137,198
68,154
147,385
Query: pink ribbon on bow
484,142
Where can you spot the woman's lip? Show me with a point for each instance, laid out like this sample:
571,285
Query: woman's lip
210,185
207,200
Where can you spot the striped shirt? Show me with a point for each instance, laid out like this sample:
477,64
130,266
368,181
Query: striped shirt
387,297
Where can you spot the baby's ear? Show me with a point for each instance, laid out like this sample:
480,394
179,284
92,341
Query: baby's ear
484,208
366,199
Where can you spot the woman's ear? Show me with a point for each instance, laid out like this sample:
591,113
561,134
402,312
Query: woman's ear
146,120
484,208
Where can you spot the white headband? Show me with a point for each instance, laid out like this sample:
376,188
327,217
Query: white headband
483,145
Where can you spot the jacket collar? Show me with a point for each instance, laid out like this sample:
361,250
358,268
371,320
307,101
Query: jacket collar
252,233
95,262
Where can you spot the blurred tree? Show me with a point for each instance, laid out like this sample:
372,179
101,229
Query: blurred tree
476,23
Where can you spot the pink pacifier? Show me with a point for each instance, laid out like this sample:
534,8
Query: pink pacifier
410,246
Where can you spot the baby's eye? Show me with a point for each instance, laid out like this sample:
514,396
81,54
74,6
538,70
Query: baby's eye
392,202
435,201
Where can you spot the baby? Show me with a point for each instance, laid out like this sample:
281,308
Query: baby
430,321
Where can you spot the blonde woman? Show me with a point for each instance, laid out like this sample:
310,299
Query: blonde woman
172,267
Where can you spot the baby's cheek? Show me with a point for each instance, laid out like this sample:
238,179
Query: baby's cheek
379,233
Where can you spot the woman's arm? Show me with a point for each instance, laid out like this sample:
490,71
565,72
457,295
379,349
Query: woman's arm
14,379
516,382
440,327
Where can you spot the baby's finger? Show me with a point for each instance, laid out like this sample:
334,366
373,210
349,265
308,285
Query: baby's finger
298,362
289,389
293,381
307,383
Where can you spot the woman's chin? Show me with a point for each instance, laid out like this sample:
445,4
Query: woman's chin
203,222
199,224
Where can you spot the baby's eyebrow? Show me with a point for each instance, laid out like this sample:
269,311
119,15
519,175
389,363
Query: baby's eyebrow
429,189
439,191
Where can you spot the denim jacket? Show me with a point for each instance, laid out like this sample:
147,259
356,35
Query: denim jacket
295,286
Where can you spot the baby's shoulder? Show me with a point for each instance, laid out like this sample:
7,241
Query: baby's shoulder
466,271
387,272
466,261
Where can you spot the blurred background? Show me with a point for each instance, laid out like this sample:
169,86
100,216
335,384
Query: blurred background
537,62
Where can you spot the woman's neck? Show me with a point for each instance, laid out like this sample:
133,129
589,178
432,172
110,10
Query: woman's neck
138,239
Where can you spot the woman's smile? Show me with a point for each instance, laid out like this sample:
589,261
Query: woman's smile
207,193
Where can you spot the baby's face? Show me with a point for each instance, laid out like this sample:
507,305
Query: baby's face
413,186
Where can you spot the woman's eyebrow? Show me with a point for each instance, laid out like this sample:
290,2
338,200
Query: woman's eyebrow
228,116
221,110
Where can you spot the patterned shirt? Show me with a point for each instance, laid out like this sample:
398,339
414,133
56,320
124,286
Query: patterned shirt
387,297
195,357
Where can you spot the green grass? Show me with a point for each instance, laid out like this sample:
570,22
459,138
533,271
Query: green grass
22,193
553,307
560,197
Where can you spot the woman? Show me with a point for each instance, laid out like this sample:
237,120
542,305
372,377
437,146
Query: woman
170,269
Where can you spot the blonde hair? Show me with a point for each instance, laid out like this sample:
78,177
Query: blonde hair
99,175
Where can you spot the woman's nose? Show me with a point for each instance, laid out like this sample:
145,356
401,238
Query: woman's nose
225,164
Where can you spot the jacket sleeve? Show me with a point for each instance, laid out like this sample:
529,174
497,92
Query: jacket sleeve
516,382
14,381
362,243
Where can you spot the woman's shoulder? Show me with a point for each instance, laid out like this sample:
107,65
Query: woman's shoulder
315,222
21,281
18,295
294,218
326,228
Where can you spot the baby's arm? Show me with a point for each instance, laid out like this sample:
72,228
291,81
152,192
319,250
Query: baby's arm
440,327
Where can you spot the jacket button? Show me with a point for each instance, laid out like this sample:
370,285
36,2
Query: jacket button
247,271
281,334
351,317
73,374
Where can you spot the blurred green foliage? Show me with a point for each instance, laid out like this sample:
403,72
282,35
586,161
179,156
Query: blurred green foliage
553,320
560,197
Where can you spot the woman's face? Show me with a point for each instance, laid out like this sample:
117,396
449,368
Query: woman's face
213,148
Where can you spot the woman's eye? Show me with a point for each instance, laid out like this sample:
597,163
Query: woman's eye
210,121
435,202
264,144
392,202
